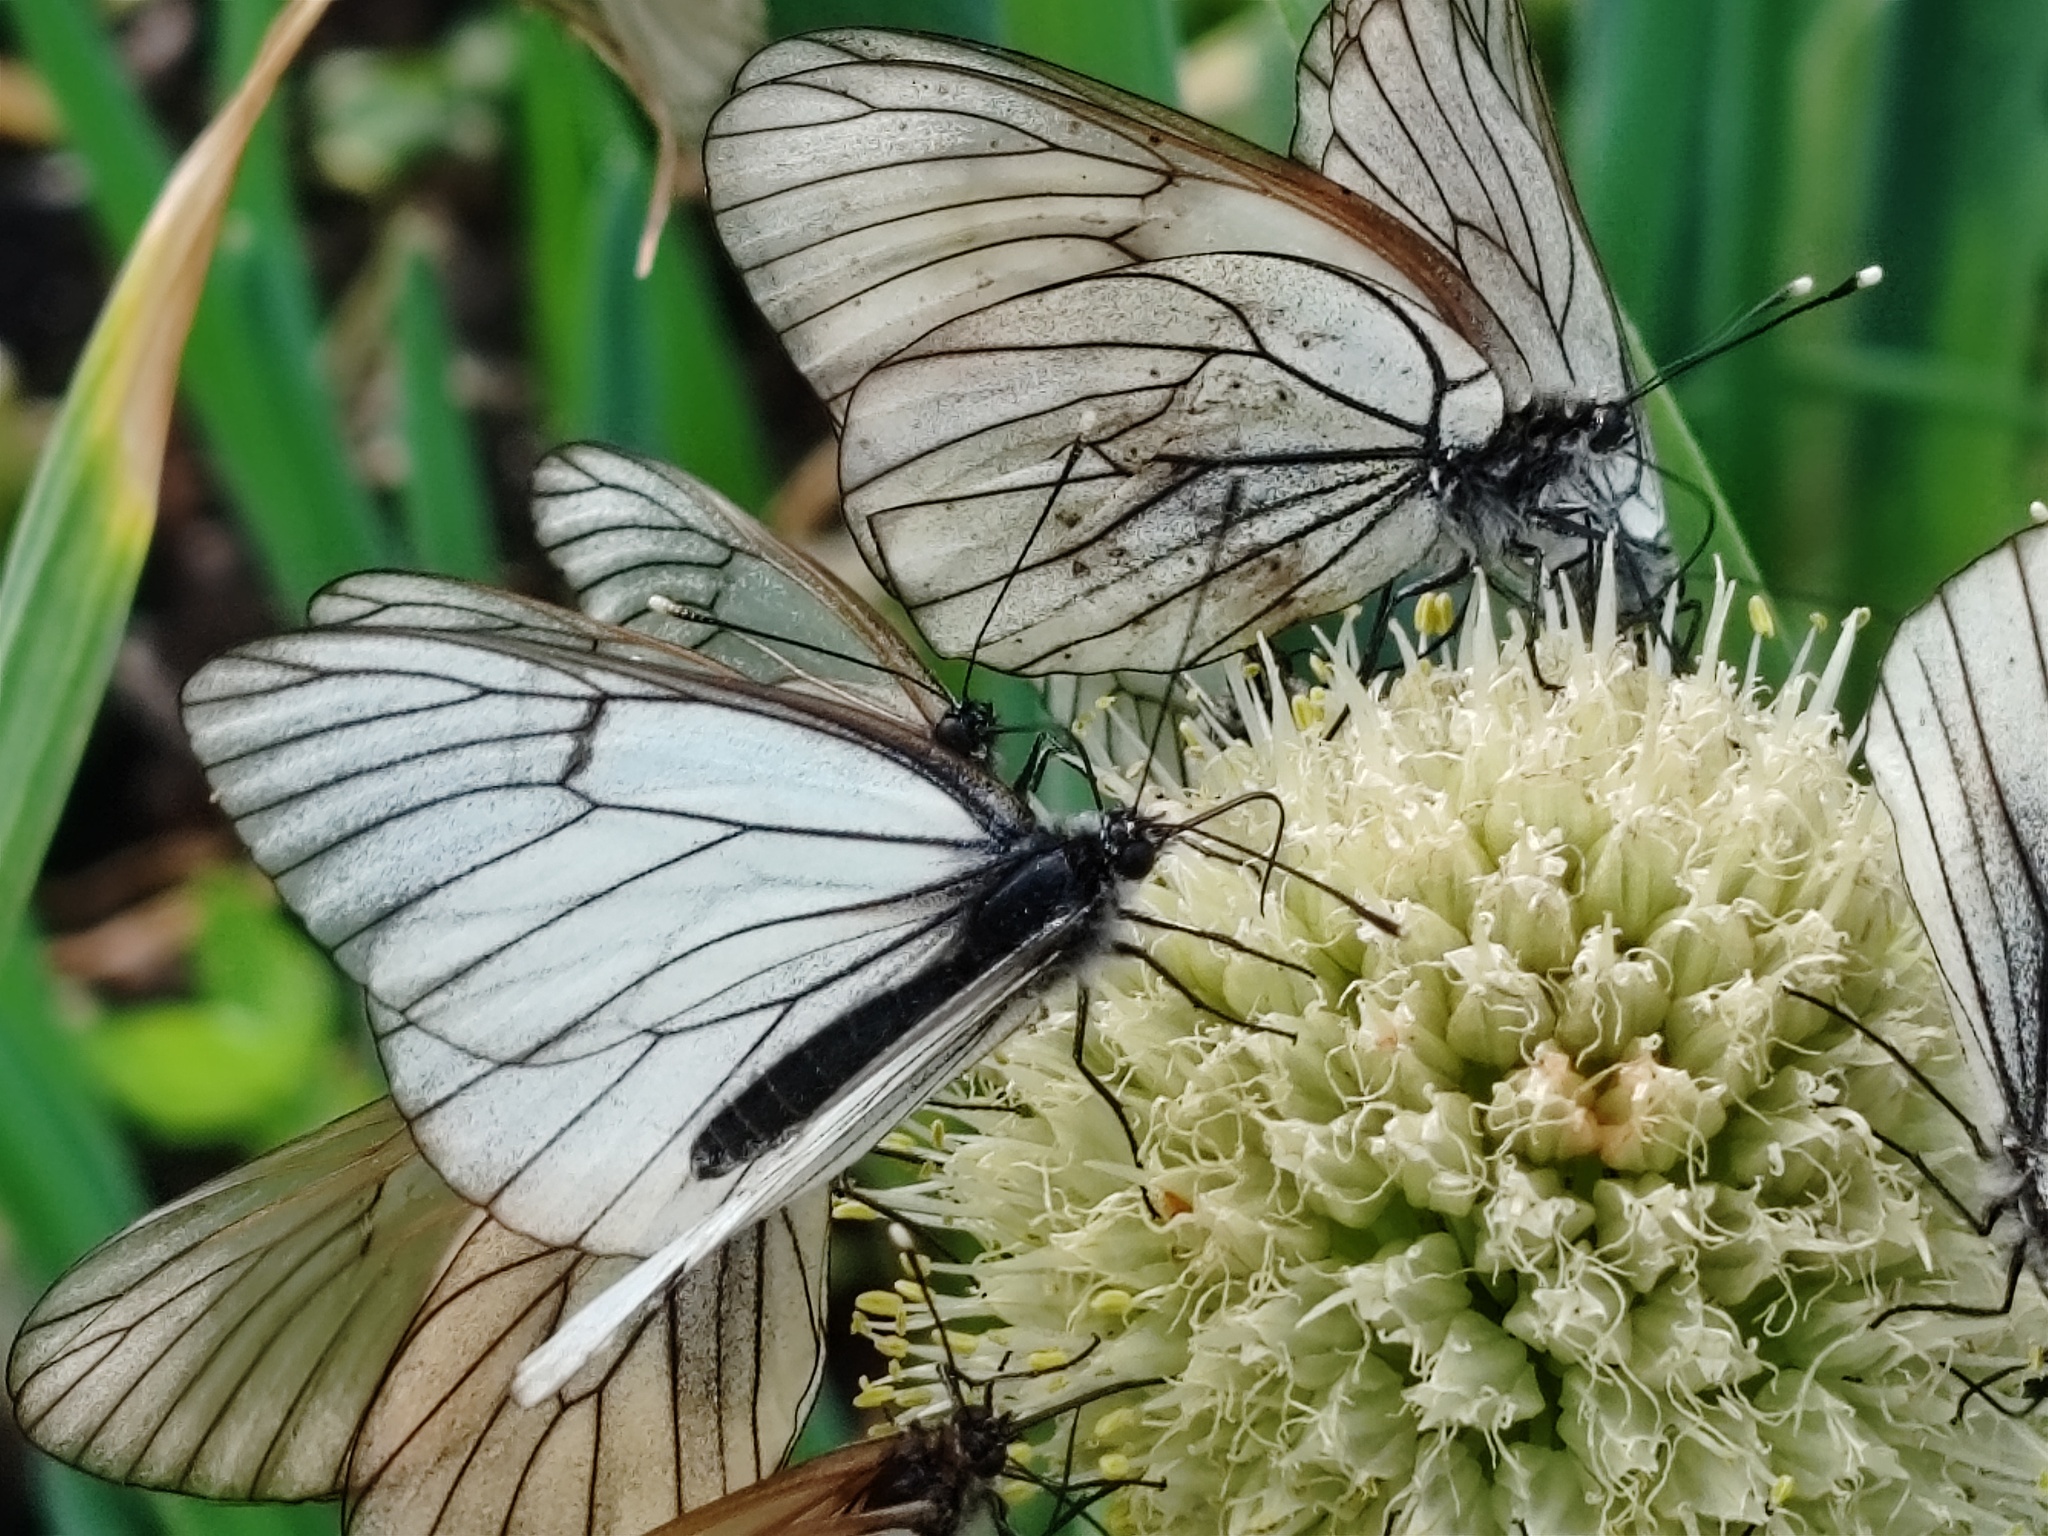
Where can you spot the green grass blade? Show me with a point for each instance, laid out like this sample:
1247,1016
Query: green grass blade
1132,43
444,505
252,366
647,364
978,19
77,544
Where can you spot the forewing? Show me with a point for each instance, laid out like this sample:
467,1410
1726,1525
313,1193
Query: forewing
872,186
1146,469
635,538
1431,110
702,1396
228,1344
1958,748
589,901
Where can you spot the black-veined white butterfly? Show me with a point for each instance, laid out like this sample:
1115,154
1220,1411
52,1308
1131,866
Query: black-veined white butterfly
649,946
332,1321
650,548
1119,391
1958,749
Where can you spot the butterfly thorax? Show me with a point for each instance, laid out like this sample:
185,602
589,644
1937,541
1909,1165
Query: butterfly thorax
938,1469
1546,492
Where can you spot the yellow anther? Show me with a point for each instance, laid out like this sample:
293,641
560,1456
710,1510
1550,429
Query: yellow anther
874,1394
915,1397
1783,1489
1112,1302
854,1210
884,1304
1115,1466
1114,1424
1761,619
1818,621
1435,614
1046,1359
892,1346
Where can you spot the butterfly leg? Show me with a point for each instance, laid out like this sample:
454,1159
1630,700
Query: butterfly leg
1104,1092
2034,1390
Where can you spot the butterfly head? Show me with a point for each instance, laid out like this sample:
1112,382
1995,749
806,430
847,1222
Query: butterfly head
1547,493
967,729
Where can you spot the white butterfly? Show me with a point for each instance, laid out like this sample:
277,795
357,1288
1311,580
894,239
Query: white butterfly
332,1321
650,946
1958,749
1119,391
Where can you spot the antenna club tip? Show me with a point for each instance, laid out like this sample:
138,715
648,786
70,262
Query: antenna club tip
1870,276
1799,287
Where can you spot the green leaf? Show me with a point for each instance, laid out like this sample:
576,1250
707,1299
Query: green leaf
231,1062
443,502
77,545
1132,43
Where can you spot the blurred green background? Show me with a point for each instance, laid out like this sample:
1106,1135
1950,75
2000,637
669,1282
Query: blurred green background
427,278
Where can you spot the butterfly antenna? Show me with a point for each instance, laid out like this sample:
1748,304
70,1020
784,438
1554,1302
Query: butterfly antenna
1017,567
1794,299
914,1265
1344,899
1836,1011
1231,508
774,644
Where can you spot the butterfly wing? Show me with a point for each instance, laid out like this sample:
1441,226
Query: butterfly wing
871,186
634,537
1118,390
594,903
703,1396
823,1494
228,1344
1431,109
1958,749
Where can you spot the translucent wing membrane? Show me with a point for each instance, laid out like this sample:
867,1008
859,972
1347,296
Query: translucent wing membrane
1958,748
1431,110
228,1345
703,1396
593,901
872,186
334,1319
1120,392
1063,418
1146,469
637,540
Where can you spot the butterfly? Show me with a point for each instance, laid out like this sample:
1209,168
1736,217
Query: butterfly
649,945
651,548
1118,391
1957,746
332,1321
931,1477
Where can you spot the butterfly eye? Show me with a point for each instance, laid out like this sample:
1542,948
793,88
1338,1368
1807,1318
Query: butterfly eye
1134,860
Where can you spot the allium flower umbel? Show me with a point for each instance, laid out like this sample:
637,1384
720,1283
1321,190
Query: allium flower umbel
1559,1213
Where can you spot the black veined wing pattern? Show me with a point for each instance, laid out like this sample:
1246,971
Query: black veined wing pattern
301,1326
1958,749
648,947
650,548
1118,391
701,1396
1433,112
229,1343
